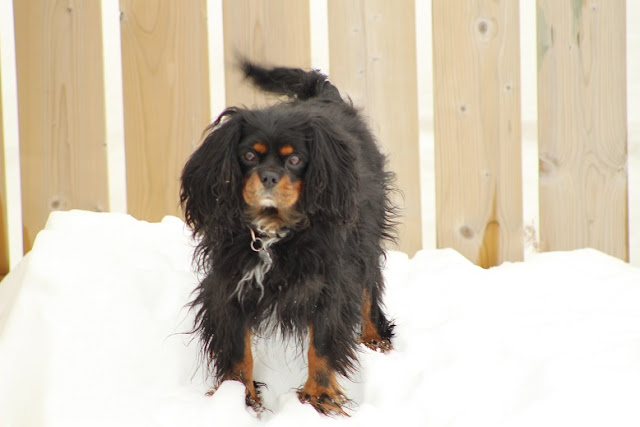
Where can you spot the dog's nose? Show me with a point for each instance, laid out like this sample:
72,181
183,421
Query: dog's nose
269,178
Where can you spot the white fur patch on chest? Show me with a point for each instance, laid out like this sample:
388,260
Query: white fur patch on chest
255,276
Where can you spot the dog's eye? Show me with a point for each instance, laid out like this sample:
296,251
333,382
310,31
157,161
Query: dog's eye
250,157
294,160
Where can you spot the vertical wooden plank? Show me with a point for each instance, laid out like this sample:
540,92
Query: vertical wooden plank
4,226
61,107
372,54
478,129
166,98
272,32
582,125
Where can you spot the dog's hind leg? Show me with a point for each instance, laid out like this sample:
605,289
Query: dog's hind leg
377,330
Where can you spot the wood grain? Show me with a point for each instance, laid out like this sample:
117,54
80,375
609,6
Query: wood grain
270,32
61,108
477,129
372,57
166,98
582,125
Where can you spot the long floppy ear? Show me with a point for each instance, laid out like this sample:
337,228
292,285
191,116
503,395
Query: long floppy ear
331,183
212,179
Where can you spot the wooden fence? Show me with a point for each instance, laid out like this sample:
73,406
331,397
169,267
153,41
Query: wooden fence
65,136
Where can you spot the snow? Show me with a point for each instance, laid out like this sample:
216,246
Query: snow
93,322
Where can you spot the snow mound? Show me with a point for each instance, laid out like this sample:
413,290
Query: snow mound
93,322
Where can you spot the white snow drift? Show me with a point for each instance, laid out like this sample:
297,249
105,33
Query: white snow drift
92,329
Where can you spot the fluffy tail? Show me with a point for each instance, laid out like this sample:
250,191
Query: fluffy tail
292,82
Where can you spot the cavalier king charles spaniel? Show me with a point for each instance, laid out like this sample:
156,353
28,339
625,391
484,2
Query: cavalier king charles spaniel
290,205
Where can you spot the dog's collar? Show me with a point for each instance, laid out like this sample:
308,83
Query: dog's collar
262,239
261,242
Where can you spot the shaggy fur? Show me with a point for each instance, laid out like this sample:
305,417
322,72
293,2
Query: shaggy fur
290,204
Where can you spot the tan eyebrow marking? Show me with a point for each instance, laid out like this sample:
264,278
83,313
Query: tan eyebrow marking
286,149
260,147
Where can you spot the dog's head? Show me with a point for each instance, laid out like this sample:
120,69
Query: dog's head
270,169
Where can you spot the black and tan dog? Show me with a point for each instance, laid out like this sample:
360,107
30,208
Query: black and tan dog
291,205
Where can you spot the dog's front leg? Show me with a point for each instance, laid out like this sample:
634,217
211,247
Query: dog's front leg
239,365
321,389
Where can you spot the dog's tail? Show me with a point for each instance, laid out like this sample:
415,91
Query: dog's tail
292,82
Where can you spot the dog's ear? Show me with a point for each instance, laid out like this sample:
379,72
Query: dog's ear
212,179
330,183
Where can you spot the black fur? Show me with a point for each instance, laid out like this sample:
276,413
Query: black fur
326,260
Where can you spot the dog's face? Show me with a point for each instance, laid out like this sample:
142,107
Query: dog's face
273,170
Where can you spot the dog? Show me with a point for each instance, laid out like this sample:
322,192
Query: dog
291,207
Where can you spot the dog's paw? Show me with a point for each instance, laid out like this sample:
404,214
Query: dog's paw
253,399
378,345
331,402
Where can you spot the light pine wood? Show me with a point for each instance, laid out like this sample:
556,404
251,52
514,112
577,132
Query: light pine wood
372,55
61,108
582,125
4,230
166,98
477,129
270,32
